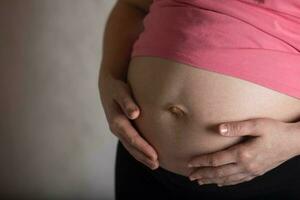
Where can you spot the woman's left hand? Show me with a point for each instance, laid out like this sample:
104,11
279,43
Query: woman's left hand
271,143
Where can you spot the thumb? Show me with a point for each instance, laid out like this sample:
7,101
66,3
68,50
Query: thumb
240,128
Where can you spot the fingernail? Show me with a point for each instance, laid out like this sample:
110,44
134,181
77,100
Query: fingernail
192,178
220,185
154,166
131,113
151,166
223,129
200,183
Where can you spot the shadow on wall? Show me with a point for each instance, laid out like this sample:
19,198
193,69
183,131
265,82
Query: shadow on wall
55,143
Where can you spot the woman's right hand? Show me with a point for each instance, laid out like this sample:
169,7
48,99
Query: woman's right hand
119,108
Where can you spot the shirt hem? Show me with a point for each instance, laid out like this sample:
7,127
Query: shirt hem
276,70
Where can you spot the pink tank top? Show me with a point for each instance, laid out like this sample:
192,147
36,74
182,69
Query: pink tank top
254,40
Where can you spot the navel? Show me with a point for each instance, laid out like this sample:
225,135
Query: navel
176,110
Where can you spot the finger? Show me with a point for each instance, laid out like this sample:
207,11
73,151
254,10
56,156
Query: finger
215,172
242,128
123,129
226,156
141,157
245,179
221,181
125,100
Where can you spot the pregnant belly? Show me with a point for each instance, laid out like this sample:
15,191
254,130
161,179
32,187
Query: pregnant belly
182,106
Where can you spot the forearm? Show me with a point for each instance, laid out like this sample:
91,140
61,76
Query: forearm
123,26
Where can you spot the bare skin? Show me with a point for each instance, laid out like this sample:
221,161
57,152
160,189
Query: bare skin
272,143
182,106
115,94
187,111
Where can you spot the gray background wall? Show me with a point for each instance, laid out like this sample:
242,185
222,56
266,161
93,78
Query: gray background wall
54,139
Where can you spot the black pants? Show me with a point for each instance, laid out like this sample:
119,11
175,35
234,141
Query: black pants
133,180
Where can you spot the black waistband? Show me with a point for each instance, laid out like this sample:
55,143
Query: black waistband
284,179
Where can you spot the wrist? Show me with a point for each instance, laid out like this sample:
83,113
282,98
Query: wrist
107,75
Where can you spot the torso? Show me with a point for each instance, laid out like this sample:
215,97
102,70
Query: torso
181,107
